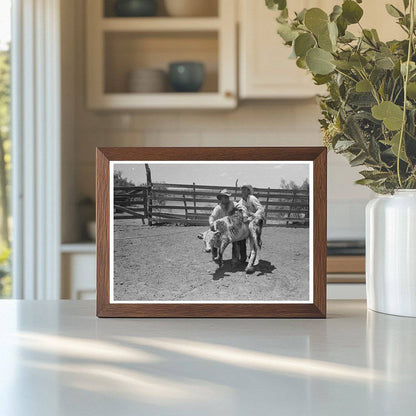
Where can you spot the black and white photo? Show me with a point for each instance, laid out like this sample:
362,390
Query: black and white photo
192,231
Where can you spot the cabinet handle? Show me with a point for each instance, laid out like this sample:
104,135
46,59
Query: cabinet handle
228,94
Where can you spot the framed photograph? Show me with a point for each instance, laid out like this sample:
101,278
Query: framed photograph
211,232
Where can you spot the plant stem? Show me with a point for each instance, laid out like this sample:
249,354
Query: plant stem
406,80
345,75
373,89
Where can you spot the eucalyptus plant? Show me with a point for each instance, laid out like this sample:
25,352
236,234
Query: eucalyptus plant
369,112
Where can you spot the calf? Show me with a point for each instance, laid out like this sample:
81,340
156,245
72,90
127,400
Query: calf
229,230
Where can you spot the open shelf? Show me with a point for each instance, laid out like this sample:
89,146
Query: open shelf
130,101
127,51
160,24
116,46
211,9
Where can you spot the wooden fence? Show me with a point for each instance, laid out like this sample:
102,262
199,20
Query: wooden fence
192,204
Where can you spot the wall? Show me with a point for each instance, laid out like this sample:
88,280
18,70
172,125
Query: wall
265,123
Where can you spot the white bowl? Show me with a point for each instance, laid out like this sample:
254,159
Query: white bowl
146,80
191,8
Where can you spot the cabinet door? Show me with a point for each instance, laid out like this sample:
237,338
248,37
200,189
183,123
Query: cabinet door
376,17
265,68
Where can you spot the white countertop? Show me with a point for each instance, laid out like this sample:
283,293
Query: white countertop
57,359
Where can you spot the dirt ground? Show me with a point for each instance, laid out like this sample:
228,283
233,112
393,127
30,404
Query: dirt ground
168,263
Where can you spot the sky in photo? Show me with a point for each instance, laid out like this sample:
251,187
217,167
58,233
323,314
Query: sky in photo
261,175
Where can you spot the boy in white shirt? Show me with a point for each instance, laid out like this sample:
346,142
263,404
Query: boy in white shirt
254,210
223,209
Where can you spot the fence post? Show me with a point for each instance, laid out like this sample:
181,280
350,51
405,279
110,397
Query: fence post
290,206
145,214
236,190
186,208
194,200
267,203
149,193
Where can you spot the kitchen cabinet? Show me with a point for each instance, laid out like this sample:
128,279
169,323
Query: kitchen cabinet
265,70
118,45
78,264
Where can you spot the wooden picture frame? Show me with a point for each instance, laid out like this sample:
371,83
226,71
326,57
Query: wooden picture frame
315,308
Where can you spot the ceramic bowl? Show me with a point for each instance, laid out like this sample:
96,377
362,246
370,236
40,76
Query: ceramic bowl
135,8
186,76
147,80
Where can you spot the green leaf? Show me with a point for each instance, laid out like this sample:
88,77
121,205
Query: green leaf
301,63
347,37
406,4
324,42
336,12
276,4
354,131
343,145
375,35
361,99
333,32
358,61
351,11
385,63
364,181
300,17
343,65
316,20
303,43
321,79
391,114
374,175
292,52
319,61
411,90
393,11
412,67
342,25
363,86
358,160
394,145
327,40
368,36
286,32
374,150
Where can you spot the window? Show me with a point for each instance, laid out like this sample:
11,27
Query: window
5,145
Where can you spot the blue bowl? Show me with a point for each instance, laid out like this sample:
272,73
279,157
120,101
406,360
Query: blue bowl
186,76
135,8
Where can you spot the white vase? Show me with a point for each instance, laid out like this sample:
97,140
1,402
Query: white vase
391,253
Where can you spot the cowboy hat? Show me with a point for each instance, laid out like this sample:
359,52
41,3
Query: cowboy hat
224,192
249,187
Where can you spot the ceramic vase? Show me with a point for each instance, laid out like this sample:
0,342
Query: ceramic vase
391,253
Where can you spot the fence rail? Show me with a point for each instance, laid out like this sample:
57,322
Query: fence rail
191,204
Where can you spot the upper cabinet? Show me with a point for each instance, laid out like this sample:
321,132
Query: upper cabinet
264,66
265,70
128,58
